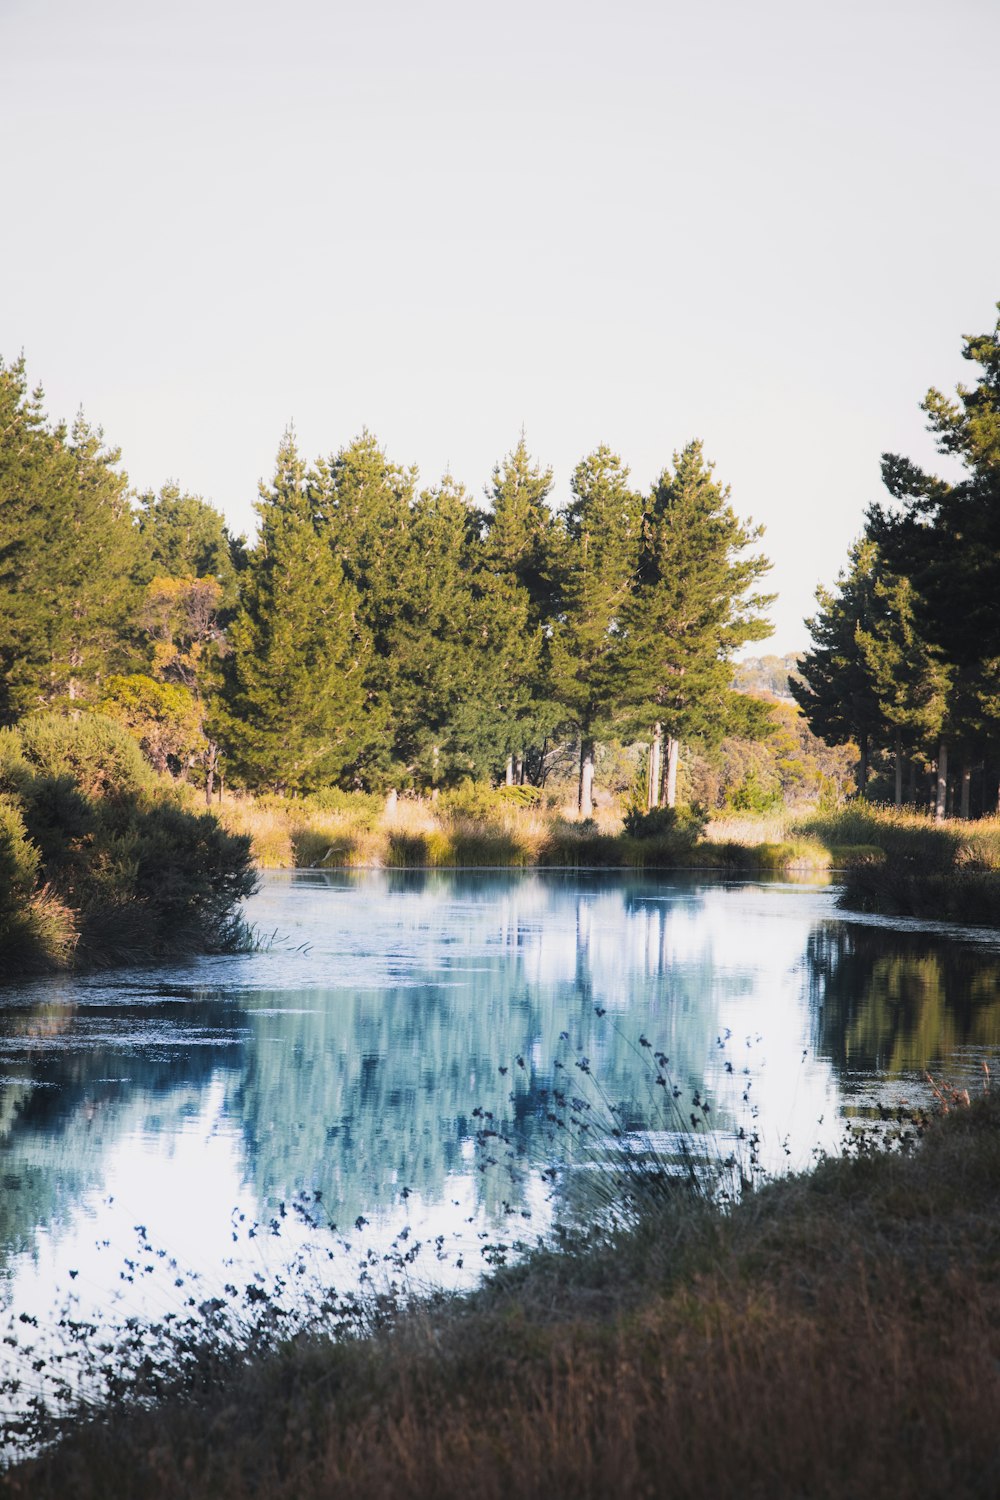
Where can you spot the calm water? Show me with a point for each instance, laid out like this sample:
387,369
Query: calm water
350,1059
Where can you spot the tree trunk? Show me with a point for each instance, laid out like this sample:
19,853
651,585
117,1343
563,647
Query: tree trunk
211,761
673,755
509,777
941,784
655,757
862,764
585,801
911,791
519,770
966,789
899,770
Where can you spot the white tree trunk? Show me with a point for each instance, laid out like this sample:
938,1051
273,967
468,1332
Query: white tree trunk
941,784
655,758
966,789
509,778
673,755
585,802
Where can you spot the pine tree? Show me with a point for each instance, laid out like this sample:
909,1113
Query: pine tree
600,552
293,714
946,537
838,694
690,611
519,554
185,537
911,683
68,556
520,527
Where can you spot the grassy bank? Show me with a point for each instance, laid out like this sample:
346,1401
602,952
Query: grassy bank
100,863
888,860
834,1335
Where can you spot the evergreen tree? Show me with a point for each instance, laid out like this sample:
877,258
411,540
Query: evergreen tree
293,714
599,557
68,555
185,537
520,527
520,554
690,610
838,694
911,683
945,537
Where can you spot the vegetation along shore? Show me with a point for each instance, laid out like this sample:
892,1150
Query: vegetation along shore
828,1335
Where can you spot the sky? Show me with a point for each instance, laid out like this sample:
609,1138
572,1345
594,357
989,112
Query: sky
764,225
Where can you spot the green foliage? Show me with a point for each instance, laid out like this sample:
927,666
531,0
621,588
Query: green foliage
19,862
294,694
68,555
100,757
96,861
693,605
519,796
754,794
682,825
164,717
184,537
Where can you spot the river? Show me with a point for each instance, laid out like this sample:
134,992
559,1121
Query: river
150,1119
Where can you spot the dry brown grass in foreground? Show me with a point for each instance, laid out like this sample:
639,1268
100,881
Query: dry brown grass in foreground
837,1335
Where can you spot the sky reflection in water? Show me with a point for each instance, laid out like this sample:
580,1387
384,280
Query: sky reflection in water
350,1057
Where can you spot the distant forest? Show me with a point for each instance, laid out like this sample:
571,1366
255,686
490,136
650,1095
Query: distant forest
376,634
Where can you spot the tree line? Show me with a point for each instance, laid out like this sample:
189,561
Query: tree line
374,633
905,655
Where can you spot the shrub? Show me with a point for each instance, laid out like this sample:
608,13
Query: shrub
682,824
100,755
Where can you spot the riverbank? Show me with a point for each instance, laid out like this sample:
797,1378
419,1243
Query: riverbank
835,1334
890,861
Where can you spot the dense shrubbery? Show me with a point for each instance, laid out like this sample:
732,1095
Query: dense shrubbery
96,861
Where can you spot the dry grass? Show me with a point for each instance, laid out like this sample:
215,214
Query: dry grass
836,1335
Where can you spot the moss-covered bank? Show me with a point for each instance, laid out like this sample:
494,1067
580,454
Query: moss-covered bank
835,1335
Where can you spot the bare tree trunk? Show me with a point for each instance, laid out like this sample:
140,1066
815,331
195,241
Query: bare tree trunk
519,770
585,801
655,757
911,791
966,789
899,770
673,755
862,764
211,761
509,777
941,785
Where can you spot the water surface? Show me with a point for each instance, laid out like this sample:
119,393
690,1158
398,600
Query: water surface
394,1014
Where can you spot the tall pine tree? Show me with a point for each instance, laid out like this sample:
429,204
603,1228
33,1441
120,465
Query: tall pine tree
294,702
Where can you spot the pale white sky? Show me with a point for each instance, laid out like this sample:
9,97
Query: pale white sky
766,225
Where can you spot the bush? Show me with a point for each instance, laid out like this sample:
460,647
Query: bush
19,862
128,875
683,824
101,756
519,796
